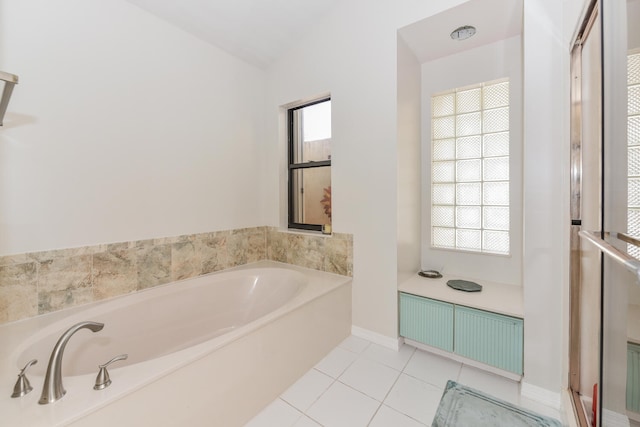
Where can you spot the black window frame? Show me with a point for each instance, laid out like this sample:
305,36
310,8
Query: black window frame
292,167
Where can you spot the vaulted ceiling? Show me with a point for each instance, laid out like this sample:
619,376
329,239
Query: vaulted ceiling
258,31
261,31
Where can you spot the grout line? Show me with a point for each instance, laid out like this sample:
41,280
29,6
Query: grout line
459,372
374,414
302,413
290,405
379,402
372,359
359,391
408,416
413,353
391,388
365,394
333,381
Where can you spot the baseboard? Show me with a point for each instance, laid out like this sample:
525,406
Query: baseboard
541,395
464,360
374,337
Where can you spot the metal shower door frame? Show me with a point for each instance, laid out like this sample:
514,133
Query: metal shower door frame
590,19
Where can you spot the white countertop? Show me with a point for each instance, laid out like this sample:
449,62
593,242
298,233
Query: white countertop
495,297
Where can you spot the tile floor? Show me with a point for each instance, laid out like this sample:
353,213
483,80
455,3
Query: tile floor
363,384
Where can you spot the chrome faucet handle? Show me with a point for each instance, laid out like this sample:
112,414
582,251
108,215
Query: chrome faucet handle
103,380
23,386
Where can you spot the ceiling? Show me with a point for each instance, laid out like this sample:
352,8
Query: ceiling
258,31
494,20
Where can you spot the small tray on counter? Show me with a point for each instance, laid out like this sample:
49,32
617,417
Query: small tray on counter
464,285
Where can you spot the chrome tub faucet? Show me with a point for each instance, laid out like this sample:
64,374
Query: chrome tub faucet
53,389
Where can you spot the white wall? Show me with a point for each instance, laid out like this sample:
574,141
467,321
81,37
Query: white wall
409,162
353,55
122,127
482,64
545,192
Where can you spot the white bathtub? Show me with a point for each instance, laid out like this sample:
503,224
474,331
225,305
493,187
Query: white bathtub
212,350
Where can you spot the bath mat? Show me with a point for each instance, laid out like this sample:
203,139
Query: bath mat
462,406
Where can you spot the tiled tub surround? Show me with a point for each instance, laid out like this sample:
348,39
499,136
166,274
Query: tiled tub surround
284,319
42,282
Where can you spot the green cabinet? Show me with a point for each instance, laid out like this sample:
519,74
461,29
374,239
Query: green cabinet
427,321
489,338
486,337
633,377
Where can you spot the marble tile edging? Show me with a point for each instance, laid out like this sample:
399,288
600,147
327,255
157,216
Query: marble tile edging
41,282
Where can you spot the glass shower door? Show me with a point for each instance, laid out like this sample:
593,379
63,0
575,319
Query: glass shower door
619,377
586,213
632,294
605,213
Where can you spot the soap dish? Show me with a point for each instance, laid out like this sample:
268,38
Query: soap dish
430,274
464,285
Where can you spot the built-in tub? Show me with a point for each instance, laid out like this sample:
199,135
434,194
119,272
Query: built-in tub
212,350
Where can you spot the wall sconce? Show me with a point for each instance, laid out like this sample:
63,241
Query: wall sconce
10,80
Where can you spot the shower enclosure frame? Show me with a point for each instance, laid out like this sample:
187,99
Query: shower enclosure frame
610,188
590,19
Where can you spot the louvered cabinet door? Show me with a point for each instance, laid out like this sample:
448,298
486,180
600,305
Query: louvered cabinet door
489,338
633,377
427,321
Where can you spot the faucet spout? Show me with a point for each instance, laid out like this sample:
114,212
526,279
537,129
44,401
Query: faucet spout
53,389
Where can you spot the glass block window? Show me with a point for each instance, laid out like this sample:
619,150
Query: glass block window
470,168
633,143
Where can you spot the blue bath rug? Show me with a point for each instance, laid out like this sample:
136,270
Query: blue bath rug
462,406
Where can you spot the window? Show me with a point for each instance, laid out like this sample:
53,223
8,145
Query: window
470,168
310,165
633,143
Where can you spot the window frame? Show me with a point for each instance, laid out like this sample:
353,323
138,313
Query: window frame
292,167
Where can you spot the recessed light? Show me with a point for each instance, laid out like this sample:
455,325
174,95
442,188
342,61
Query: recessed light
463,33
